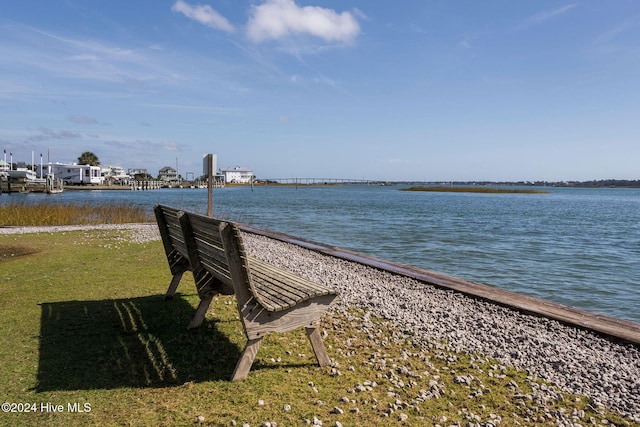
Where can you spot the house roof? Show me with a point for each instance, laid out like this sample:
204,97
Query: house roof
235,169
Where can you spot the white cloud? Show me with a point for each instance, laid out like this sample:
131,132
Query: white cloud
276,19
80,119
619,30
47,134
547,14
204,14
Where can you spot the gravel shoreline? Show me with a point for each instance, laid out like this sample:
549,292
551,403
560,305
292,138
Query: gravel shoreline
577,361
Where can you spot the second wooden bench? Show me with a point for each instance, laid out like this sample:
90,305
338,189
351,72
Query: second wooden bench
269,298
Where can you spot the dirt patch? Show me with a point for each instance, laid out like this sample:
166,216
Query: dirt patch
8,252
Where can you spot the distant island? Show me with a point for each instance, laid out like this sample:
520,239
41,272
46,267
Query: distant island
474,190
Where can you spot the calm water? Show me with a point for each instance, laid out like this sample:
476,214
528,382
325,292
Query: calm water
579,247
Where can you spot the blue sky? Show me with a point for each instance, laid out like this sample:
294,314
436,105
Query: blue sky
411,90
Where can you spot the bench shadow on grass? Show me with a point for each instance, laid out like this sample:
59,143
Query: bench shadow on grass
136,342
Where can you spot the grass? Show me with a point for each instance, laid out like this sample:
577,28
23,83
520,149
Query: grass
84,323
35,214
483,190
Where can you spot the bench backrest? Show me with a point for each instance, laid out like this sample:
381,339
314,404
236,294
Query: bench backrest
203,240
217,247
172,237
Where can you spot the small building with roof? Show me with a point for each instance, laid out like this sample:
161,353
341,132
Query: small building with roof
168,174
237,175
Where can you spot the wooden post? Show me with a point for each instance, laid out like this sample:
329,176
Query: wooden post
208,170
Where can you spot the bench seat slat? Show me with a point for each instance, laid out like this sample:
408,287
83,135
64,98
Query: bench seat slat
276,289
296,288
272,297
290,289
302,284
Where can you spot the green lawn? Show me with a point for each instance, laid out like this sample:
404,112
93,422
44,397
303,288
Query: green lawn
88,340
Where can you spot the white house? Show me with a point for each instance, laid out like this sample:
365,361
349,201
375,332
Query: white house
237,174
115,174
137,171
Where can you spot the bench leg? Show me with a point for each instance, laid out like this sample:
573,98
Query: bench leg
171,291
246,360
198,318
318,346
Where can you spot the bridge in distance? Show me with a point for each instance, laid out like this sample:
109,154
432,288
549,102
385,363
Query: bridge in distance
314,181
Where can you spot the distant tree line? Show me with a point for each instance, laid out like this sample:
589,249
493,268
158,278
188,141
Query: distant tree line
586,184
629,183
601,183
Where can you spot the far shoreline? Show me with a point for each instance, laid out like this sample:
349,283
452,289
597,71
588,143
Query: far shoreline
483,190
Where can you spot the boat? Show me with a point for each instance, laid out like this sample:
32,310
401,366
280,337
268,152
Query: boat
26,181
55,190
21,176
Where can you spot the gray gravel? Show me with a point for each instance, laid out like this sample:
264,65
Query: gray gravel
139,233
575,360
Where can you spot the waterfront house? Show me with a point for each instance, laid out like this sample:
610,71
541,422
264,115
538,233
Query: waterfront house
168,174
137,171
237,174
115,175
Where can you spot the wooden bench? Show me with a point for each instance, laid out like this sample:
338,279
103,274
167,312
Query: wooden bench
269,299
177,254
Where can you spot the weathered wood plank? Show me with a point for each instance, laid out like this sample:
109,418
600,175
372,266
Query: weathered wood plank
318,346
246,360
174,247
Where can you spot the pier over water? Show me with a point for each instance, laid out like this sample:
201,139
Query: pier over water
313,181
